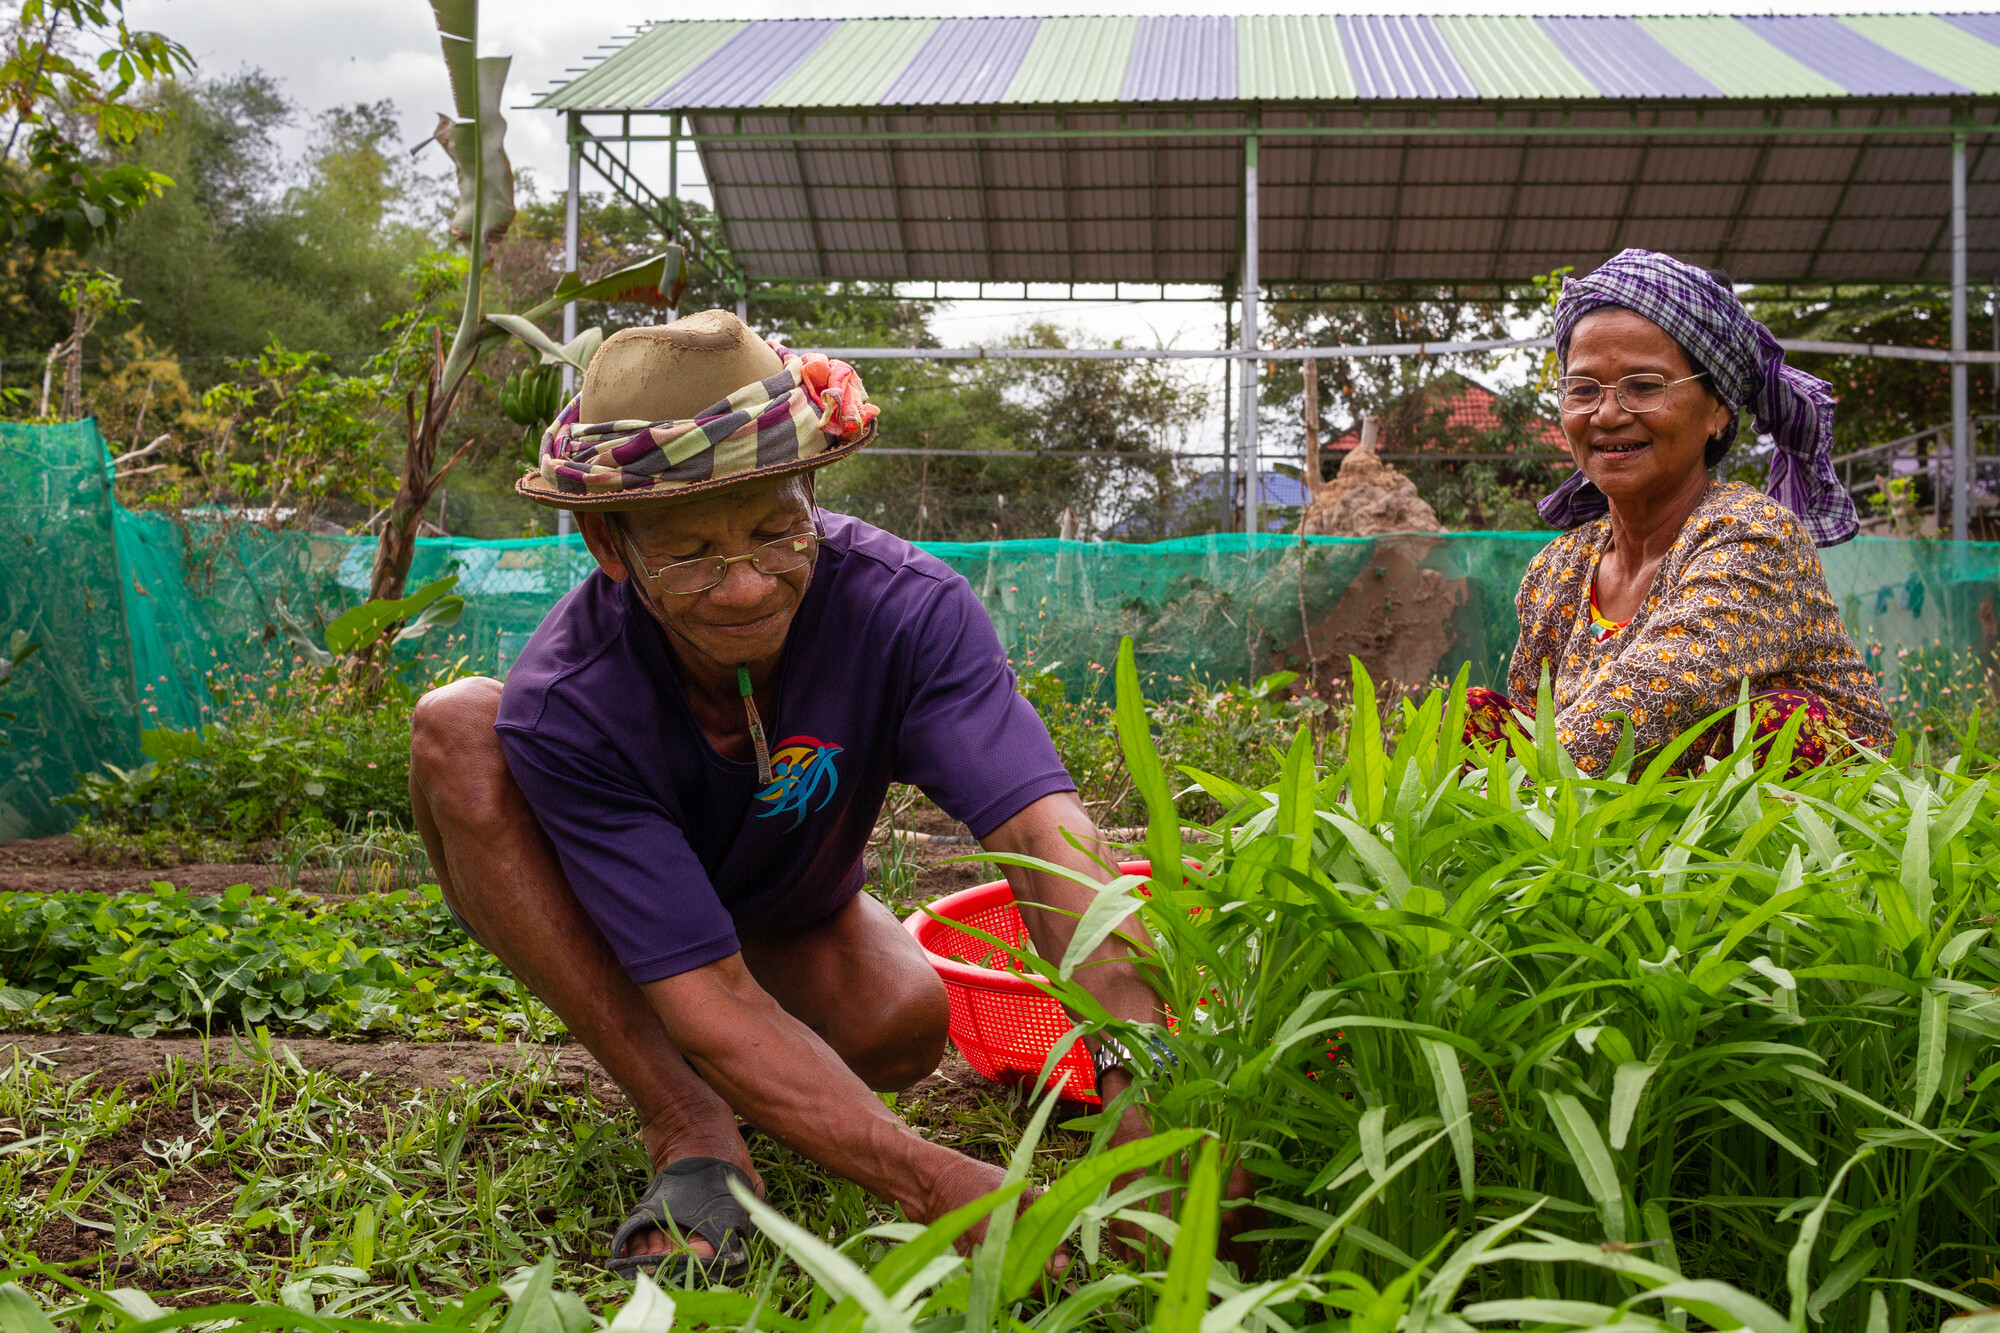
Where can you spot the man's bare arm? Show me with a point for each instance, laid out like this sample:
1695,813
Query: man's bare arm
1051,905
778,1074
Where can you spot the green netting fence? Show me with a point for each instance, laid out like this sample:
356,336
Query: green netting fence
136,611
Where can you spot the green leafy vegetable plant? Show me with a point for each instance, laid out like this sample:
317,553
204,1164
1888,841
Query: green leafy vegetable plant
1677,1016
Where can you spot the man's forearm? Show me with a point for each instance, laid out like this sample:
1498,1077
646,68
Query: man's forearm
775,1072
1052,904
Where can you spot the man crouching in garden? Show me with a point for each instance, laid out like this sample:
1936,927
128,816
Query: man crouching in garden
658,822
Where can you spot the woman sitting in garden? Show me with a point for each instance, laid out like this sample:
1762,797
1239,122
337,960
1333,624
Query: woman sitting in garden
1669,588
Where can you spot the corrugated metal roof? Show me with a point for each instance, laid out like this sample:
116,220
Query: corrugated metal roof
1926,40
1182,59
1075,60
1023,205
966,62
1624,59
1512,57
855,66
802,63
1291,57
750,65
1842,54
654,60
1736,60
1986,27
1402,56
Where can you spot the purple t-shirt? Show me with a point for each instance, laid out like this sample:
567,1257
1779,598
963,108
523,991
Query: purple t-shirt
891,673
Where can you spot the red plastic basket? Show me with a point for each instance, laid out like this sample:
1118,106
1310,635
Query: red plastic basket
1002,1023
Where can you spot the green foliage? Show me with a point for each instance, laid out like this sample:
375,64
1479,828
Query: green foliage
1236,729
1681,1014
168,961
287,749
356,633
1879,399
292,432
259,244
61,195
385,1223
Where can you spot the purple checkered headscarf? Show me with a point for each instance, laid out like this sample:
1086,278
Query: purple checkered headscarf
1747,371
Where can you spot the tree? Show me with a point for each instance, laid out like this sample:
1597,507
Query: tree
54,189
1879,399
311,252
294,434
1352,386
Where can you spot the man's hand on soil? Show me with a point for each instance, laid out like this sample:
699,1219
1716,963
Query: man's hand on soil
1129,1240
966,1180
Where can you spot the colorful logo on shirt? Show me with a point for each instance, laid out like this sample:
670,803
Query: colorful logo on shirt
803,778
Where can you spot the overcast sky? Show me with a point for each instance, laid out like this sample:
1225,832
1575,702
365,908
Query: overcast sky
330,52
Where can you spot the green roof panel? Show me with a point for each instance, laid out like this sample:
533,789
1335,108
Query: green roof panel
1075,60
1925,39
1736,60
856,65
1291,56
1512,57
647,66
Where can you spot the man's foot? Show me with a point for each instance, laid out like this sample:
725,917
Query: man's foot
693,1198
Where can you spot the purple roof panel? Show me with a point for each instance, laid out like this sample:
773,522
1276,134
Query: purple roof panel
966,61
744,69
1986,27
1182,59
1401,57
1623,59
1846,57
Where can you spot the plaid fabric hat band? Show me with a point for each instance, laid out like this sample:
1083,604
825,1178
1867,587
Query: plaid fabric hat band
812,406
1748,371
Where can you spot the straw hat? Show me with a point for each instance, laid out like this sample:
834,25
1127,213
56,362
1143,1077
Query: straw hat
692,406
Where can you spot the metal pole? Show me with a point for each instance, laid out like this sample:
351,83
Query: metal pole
1228,422
1247,434
1961,422
674,198
565,521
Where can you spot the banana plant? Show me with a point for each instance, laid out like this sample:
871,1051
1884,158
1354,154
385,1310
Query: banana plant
474,133
357,632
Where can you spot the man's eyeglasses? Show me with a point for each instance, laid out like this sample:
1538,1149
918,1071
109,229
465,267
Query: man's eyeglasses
1577,394
786,555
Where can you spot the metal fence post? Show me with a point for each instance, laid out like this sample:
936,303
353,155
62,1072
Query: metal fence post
1247,431
1961,424
565,521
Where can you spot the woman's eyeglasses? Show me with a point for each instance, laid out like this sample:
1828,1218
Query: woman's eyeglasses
786,555
1577,394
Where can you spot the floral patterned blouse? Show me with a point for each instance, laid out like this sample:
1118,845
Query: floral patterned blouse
1741,593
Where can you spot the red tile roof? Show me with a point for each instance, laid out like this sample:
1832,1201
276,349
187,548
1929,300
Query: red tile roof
1471,411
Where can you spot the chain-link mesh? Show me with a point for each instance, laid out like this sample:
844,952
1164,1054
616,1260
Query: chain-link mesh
189,594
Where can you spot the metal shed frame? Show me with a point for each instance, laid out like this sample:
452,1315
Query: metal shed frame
792,217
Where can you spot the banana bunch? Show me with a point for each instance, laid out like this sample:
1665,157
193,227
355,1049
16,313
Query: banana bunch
531,398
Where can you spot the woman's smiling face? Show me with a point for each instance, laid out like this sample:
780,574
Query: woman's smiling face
1636,456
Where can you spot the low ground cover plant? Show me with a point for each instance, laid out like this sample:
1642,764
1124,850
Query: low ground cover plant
1742,1023
390,963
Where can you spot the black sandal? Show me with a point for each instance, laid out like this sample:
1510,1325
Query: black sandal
691,1196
